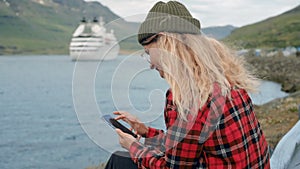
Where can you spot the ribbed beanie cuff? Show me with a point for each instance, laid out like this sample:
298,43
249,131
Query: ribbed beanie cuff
168,17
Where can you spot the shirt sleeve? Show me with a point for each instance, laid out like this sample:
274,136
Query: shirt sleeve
154,137
177,148
180,150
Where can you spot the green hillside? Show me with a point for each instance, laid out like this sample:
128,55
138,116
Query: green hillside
218,32
46,26
279,31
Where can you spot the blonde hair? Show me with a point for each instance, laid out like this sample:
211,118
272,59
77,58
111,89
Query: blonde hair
192,64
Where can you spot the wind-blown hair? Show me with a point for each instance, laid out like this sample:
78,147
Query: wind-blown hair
192,64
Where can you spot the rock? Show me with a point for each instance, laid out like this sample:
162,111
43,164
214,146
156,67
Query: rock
284,70
289,87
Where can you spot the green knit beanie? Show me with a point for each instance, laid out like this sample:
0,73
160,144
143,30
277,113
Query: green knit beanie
168,17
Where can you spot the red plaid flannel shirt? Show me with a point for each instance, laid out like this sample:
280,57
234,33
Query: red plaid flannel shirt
230,139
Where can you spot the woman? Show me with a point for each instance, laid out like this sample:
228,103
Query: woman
208,114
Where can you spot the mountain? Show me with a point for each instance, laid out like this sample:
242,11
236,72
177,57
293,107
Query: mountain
46,26
218,32
279,31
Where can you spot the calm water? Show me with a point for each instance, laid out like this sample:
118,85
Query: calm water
50,108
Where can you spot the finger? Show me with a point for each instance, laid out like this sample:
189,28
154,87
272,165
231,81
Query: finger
122,134
139,137
119,112
120,117
134,131
116,113
119,132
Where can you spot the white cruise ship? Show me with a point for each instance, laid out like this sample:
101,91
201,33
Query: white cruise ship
90,41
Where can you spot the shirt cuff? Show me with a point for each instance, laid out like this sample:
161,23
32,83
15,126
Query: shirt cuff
134,151
152,132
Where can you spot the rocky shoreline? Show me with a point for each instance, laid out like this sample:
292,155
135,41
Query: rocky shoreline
284,70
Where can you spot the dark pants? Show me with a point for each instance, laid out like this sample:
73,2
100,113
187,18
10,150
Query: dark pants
120,160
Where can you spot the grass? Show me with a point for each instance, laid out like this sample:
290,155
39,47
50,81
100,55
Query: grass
280,31
278,117
47,29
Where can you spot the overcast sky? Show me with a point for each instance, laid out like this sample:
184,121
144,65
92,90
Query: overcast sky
209,12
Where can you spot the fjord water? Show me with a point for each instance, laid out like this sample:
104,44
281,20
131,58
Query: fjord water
40,126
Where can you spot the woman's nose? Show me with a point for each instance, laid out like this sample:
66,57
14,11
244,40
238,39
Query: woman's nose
152,66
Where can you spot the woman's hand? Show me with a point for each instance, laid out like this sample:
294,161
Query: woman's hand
125,139
139,127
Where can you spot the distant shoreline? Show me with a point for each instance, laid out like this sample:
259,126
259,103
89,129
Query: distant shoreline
122,52
283,70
